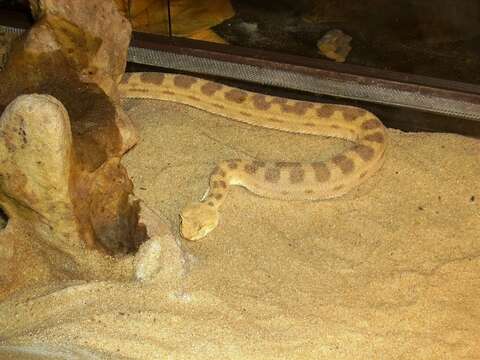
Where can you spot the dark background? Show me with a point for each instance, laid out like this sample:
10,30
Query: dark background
437,38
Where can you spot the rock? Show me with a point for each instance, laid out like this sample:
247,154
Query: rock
335,45
91,208
35,157
93,35
6,39
112,213
7,252
66,196
160,258
61,145
96,49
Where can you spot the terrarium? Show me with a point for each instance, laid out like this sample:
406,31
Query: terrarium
239,179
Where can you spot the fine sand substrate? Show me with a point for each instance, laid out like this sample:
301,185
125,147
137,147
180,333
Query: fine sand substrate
390,271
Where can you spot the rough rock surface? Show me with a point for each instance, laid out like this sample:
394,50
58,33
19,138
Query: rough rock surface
335,45
5,41
94,36
62,135
35,153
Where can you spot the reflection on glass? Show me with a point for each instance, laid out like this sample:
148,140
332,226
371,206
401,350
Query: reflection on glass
438,38
189,18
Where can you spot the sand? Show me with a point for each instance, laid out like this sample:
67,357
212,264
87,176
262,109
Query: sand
390,271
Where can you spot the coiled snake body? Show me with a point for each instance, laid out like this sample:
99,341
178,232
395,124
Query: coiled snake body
274,179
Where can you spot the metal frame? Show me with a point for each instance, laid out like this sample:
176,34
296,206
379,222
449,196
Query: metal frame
315,76
312,75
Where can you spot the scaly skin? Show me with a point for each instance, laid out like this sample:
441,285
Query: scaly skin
280,180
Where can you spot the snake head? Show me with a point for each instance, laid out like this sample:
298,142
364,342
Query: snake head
197,220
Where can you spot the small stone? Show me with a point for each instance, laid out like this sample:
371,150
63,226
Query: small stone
335,45
160,258
148,260
60,153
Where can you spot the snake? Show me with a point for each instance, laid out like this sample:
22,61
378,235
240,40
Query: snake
284,180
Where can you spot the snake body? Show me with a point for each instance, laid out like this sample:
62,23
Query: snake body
273,179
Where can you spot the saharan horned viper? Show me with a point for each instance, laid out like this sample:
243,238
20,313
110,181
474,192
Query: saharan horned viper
281,180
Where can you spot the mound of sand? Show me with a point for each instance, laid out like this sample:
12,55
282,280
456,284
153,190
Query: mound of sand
391,270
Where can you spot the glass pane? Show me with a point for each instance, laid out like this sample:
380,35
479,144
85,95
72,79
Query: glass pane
437,38
149,16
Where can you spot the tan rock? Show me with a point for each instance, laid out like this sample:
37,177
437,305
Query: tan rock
61,146
97,47
62,135
335,45
6,39
159,259
35,153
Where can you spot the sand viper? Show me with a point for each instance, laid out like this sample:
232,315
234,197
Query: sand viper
274,179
